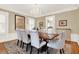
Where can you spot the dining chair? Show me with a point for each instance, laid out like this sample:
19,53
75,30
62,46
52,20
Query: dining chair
51,32
26,40
18,32
43,30
35,41
57,44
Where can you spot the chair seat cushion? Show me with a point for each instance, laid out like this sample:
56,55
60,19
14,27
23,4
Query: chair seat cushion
54,45
42,43
27,41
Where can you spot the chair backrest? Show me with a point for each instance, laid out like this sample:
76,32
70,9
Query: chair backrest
24,36
34,38
27,31
49,31
61,40
43,30
18,34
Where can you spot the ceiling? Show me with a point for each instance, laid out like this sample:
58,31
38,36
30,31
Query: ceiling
46,9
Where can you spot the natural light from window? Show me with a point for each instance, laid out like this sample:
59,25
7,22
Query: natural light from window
50,23
31,23
3,22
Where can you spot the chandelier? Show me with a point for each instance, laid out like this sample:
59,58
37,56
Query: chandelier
36,10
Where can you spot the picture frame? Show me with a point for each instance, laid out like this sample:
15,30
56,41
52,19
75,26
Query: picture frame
62,22
40,24
19,22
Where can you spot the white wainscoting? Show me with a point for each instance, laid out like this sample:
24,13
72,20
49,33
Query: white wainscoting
75,37
13,36
8,37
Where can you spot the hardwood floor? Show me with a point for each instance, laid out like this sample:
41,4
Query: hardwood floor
74,47
2,48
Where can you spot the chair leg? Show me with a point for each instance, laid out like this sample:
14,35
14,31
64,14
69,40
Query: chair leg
60,51
27,47
31,50
63,50
21,44
47,51
38,51
17,42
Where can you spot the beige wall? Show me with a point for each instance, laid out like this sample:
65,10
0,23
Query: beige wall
40,19
72,18
11,25
75,22
11,22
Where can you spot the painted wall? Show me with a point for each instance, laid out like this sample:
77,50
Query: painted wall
40,19
11,25
11,22
72,18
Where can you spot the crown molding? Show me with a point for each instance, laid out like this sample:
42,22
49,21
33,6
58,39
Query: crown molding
60,11
47,14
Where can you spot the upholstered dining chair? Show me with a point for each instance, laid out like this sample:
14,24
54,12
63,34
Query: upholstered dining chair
25,39
50,32
18,31
35,41
57,44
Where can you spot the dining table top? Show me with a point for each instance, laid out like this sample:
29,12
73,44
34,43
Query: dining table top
48,36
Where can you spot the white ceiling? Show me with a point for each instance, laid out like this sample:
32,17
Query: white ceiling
46,9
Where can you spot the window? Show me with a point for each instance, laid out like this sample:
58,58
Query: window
31,23
50,22
3,22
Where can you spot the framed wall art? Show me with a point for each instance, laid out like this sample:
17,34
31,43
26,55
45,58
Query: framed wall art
19,22
62,22
40,24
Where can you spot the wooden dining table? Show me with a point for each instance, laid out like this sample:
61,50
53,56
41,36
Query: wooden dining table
46,36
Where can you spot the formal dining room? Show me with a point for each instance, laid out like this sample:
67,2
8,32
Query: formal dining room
39,28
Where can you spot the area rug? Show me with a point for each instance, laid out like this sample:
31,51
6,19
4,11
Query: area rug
12,48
